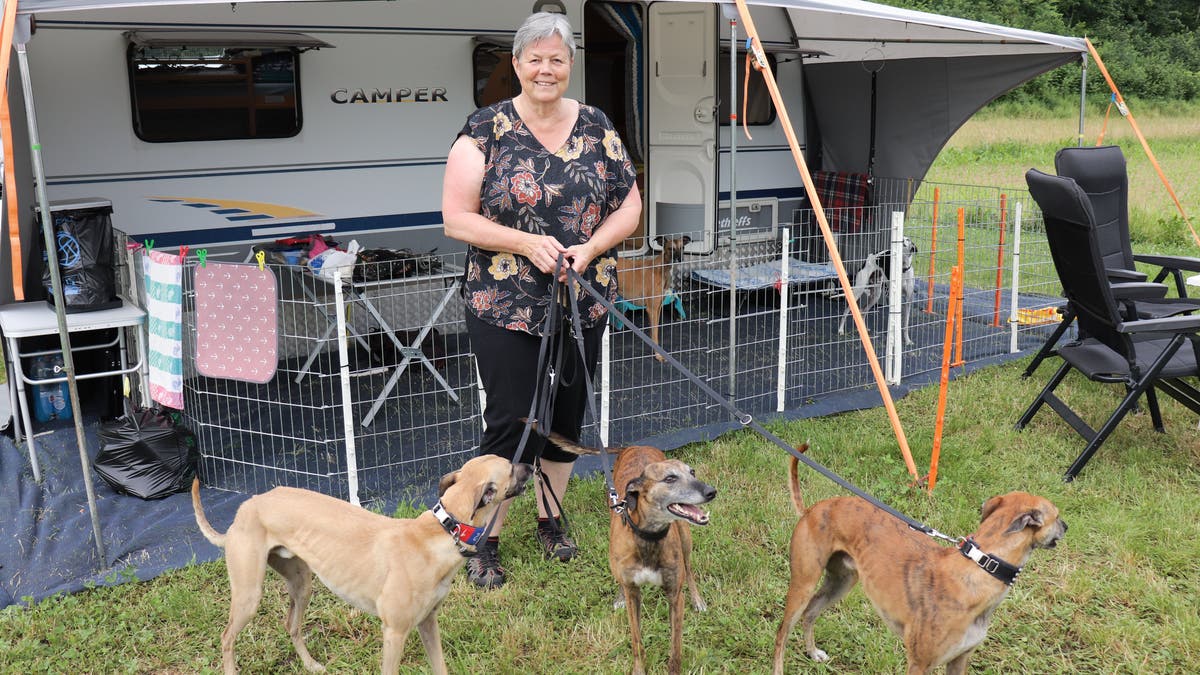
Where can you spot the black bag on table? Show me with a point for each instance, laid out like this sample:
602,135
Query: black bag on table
84,241
146,454
378,264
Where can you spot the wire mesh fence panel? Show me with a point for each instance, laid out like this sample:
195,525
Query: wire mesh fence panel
375,395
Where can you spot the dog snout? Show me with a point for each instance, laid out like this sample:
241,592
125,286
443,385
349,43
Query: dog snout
521,473
708,492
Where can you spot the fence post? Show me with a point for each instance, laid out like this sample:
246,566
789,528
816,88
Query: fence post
894,346
962,254
339,303
1000,259
1014,305
785,291
605,386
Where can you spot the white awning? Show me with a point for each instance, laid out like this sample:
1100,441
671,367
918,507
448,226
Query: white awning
223,38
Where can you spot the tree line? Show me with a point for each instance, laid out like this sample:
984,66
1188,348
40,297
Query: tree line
1150,47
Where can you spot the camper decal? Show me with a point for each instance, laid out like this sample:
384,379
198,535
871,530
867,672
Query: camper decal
237,210
399,95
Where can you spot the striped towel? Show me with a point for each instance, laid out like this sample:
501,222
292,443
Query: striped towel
164,296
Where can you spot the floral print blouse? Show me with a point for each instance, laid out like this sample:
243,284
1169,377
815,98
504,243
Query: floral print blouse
566,194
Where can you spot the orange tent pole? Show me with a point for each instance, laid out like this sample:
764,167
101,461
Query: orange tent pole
1125,112
7,28
937,197
826,233
1000,259
962,254
940,416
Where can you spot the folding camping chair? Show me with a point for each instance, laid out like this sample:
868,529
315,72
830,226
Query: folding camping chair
1101,173
1142,354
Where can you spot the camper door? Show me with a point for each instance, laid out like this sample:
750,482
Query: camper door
681,166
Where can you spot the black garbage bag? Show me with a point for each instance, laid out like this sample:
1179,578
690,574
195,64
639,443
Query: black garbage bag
84,239
378,264
146,454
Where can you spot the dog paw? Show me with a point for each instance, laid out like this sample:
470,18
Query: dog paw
659,358
619,601
699,605
818,655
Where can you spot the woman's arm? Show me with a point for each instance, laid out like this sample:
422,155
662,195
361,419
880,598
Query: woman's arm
460,212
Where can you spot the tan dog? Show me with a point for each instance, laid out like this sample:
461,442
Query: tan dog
651,543
937,599
645,281
397,569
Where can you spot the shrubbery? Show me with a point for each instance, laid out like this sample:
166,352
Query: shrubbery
1151,48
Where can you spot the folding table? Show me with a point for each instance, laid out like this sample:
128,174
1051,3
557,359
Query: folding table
358,292
32,319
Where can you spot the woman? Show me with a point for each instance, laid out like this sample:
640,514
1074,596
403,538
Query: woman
528,179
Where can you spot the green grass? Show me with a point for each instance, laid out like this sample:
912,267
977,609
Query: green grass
1117,596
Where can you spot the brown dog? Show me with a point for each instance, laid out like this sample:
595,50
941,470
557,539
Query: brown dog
937,599
645,281
650,542
397,569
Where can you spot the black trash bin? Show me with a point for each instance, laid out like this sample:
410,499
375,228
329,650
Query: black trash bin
83,236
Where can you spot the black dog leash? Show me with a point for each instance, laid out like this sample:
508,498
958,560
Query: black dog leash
744,419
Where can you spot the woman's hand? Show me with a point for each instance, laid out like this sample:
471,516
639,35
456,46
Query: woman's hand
580,256
543,251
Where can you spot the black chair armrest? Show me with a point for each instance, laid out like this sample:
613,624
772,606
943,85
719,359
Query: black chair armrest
1138,291
1117,274
1174,262
1171,324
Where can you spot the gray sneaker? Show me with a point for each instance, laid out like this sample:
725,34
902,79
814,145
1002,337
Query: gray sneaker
484,569
554,540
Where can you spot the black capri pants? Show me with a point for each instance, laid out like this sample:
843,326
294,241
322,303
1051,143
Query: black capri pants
508,367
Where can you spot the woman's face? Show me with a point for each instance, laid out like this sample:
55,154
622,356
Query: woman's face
544,69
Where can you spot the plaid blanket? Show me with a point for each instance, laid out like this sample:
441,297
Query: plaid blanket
843,195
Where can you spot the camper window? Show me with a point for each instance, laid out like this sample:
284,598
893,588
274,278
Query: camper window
759,111
493,73
209,93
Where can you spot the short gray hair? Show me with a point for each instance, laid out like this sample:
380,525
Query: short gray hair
541,26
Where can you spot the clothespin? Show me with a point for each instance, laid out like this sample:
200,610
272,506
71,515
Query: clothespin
202,254
261,257
183,251
149,244
132,245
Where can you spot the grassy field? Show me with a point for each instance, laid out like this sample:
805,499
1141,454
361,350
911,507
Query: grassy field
1117,596
997,149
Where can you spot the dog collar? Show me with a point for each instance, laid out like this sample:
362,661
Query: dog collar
465,536
644,534
997,568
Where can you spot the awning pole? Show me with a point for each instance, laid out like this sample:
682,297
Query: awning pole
733,252
7,32
64,337
830,244
1083,59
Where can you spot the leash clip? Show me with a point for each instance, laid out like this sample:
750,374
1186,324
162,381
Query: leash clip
614,502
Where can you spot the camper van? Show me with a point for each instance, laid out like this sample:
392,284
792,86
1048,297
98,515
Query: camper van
231,123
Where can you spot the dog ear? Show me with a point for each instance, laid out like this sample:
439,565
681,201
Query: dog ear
447,480
486,494
686,240
661,240
633,489
989,506
1033,518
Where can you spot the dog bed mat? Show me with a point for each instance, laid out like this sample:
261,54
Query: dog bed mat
766,275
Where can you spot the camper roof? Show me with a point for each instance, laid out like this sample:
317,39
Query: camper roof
843,29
